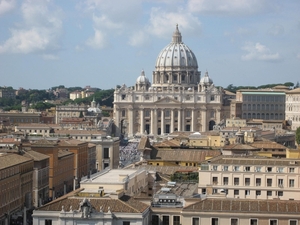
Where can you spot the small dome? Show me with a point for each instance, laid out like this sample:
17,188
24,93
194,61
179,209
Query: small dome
142,79
206,80
176,54
94,110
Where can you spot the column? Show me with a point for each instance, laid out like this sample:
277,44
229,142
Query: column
130,121
155,122
183,120
172,121
162,121
179,120
203,120
142,127
152,122
193,121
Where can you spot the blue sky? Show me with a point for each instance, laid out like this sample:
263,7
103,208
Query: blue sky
101,43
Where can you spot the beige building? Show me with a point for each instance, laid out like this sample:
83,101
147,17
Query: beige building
177,100
292,109
250,178
267,104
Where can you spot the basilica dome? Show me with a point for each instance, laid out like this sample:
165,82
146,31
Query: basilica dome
142,79
206,79
176,55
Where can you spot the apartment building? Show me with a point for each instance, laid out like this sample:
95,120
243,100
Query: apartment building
15,185
292,110
267,104
61,167
250,178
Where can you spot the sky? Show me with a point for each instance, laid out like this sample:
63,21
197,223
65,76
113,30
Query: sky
104,43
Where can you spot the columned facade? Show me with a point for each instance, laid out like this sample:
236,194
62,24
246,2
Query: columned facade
178,99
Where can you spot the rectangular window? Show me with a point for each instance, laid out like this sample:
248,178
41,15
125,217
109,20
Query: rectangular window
214,221
236,181
280,169
269,193
215,180
236,168
273,222
106,153
155,220
258,169
195,221
269,169
253,222
247,192
258,192
225,180
165,220
280,182
236,192
293,222
126,223
225,168
258,182
234,221
176,220
48,222
247,168
247,181
269,182
280,193
215,168
292,170
291,183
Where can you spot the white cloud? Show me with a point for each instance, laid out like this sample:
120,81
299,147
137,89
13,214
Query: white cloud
229,7
139,38
40,32
6,6
162,23
259,52
98,41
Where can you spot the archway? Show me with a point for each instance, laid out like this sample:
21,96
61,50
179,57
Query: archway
211,125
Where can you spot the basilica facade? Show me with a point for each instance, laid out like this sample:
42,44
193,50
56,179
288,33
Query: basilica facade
177,100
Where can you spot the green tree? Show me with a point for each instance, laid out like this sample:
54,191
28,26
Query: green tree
298,135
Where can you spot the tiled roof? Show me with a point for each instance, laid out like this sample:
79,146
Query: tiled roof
44,143
245,205
36,156
34,125
125,204
70,142
267,145
254,160
7,160
240,147
185,155
168,170
144,142
63,153
87,132
168,143
294,91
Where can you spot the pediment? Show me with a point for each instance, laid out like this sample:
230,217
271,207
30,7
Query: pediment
167,100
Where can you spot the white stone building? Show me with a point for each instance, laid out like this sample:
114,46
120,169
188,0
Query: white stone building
292,110
177,100
250,178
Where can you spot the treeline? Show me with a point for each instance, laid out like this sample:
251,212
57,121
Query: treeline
233,88
36,99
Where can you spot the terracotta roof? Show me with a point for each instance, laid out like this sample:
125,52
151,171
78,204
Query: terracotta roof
168,143
253,160
38,125
63,153
125,204
44,143
36,156
144,142
245,205
267,145
87,132
294,91
70,142
168,170
240,147
185,155
7,160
